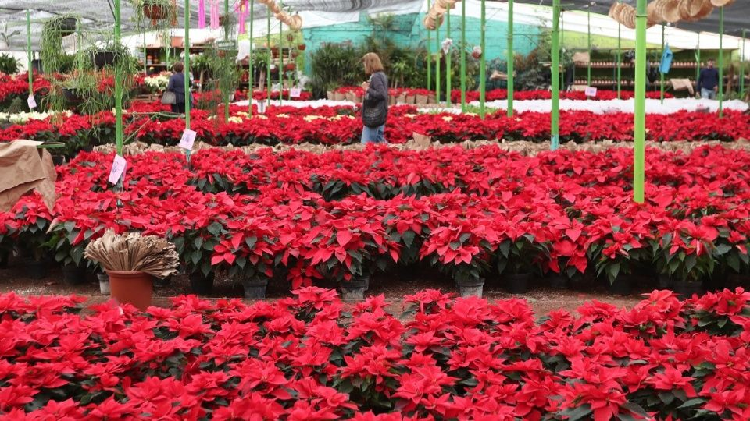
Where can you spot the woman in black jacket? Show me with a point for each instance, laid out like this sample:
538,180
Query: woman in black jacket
177,85
375,99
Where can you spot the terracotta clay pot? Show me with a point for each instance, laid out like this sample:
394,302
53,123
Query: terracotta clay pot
136,288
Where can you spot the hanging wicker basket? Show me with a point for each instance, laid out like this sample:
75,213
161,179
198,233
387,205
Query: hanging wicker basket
667,10
155,11
692,10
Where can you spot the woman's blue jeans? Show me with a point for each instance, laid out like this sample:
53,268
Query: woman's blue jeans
373,134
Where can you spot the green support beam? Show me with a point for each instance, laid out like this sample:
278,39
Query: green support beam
118,87
482,65
448,62
639,166
588,42
438,83
28,53
225,95
509,67
698,59
270,57
429,55
661,74
555,125
187,69
250,76
463,56
721,62
281,62
742,66
619,58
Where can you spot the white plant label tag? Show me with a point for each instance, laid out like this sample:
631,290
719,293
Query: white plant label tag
187,140
590,91
296,92
118,169
31,101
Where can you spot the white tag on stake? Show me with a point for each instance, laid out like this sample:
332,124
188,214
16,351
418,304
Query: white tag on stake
187,140
296,92
118,168
590,91
31,101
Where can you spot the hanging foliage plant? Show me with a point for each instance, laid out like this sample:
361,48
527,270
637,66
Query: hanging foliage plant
52,53
159,12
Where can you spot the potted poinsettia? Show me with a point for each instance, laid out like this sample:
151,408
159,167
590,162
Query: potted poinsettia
518,259
195,247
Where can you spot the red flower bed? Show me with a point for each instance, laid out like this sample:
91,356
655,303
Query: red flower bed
18,85
306,358
477,213
294,125
502,94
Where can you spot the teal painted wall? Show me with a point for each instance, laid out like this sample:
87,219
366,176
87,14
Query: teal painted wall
409,31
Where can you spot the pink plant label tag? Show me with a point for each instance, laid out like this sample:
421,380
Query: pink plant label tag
296,92
590,91
31,101
188,139
118,169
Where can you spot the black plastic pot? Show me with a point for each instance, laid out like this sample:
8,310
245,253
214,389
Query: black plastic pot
104,58
71,96
517,283
354,290
4,258
67,26
621,286
36,65
74,275
685,290
557,282
58,159
37,269
255,289
470,288
201,284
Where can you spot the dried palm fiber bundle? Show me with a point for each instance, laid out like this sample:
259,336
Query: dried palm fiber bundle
667,10
133,252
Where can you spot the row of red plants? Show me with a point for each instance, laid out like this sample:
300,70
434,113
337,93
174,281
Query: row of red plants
312,358
502,94
290,125
471,214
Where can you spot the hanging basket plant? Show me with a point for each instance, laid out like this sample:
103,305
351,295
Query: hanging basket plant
156,10
476,53
67,25
301,47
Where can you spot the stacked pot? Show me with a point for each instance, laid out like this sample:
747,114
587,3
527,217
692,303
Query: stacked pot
436,14
666,11
294,22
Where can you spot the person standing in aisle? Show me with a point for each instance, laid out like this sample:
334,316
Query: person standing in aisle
375,100
708,81
177,86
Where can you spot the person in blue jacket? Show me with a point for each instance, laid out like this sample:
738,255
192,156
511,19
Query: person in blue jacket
708,81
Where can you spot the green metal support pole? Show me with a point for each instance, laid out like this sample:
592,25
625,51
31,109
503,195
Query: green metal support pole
639,167
225,95
281,62
619,58
698,59
187,68
661,74
463,56
588,41
721,62
429,55
28,52
510,59
118,86
438,83
145,55
250,76
482,66
555,125
448,63
270,57
742,66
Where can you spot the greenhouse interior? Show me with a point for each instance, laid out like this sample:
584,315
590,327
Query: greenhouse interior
375,210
